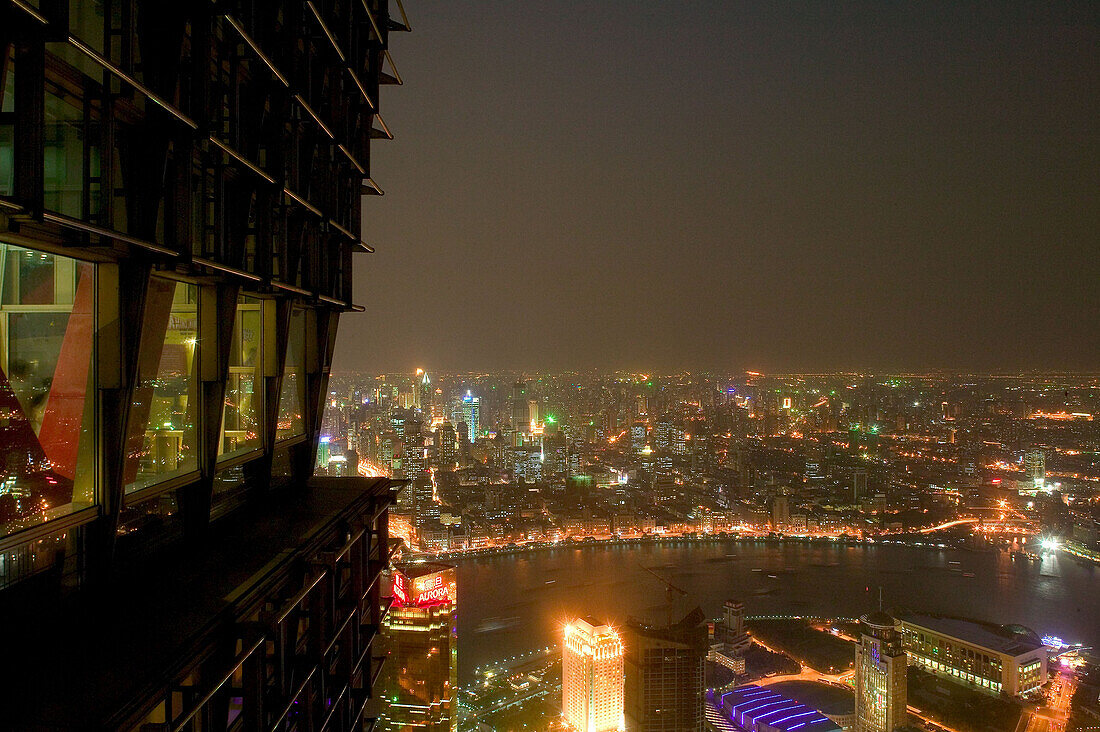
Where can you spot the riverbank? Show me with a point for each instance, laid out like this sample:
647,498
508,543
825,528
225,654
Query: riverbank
513,601
777,539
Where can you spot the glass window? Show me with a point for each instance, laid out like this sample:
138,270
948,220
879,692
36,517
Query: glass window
47,388
7,131
244,390
64,155
291,423
162,440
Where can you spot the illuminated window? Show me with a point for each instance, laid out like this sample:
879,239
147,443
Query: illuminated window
291,423
243,391
162,438
47,387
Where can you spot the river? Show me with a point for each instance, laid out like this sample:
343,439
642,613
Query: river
511,604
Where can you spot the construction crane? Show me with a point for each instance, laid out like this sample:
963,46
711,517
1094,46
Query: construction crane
669,590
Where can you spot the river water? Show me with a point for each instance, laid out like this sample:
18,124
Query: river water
511,604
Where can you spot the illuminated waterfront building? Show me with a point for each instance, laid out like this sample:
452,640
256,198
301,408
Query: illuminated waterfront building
182,195
992,658
731,630
664,675
592,677
421,674
880,675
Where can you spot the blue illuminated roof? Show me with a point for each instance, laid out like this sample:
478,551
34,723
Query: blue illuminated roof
757,709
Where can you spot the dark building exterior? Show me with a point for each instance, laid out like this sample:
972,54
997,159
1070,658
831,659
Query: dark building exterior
664,669
420,679
181,190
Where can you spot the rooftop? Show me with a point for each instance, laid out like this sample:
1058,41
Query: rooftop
1013,642
826,698
752,706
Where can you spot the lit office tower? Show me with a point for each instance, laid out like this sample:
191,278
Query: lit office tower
471,405
859,484
423,391
664,675
592,677
880,675
1035,467
520,412
420,676
414,452
446,446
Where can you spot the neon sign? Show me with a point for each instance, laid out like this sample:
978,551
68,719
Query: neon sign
425,592
400,594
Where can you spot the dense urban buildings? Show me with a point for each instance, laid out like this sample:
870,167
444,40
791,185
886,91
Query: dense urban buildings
592,677
836,460
607,455
881,675
421,638
181,198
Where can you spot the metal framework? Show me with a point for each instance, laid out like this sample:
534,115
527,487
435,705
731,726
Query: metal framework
224,144
297,647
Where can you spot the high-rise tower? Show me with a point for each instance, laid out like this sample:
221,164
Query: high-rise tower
880,675
520,418
664,666
421,674
592,677
471,406
1035,467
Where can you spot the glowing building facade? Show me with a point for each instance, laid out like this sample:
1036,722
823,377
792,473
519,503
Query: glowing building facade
420,675
592,677
880,675
471,408
991,658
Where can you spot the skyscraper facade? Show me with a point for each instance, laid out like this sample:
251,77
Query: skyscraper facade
520,418
664,675
420,676
445,446
880,675
592,677
1035,468
471,406
181,198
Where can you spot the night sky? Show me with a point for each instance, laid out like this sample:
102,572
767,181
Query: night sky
775,186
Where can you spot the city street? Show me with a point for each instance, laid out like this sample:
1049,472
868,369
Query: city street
1053,715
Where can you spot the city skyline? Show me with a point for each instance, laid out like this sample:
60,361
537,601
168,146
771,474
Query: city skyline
680,332
757,187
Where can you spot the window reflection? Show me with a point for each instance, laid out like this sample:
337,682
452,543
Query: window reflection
241,415
7,130
162,439
291,423
47,389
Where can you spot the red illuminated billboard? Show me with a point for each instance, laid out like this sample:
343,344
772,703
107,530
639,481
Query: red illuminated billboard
436,588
